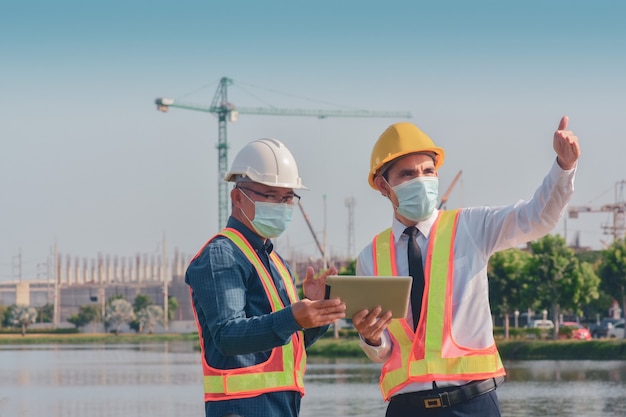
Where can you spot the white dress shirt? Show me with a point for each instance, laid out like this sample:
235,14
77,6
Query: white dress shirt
481,231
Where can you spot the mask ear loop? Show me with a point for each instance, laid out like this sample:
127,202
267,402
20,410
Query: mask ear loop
390,189
250,200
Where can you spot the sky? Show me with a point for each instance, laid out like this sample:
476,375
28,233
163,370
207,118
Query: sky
89,166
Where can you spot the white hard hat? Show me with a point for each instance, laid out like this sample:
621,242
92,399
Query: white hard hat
266,161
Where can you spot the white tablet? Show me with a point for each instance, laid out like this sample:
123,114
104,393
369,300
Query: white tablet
367,292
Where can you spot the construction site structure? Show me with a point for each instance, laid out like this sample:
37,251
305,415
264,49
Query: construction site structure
68,282
228,112
617,228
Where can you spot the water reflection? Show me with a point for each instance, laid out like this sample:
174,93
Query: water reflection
533,388
342,387
565,388
156,380
567,370
164,380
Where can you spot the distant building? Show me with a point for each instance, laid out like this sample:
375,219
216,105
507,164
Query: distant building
97,280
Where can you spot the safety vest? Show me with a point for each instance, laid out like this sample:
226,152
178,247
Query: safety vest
284,369
431,353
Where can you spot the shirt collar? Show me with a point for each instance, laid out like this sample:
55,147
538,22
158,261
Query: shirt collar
257,242
424,226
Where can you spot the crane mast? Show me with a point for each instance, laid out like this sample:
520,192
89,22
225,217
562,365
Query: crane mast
446,195
227,112
221,97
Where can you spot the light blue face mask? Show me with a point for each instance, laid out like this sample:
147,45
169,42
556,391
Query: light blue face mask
417,198
270,219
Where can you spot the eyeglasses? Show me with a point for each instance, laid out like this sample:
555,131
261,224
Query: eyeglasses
272,198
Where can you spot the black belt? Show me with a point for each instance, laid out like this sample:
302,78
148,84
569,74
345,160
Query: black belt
448,396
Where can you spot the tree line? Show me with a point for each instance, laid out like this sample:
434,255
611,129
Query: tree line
141,316
549,275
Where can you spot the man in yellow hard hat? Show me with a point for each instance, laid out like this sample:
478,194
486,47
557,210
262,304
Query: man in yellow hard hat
441,359
253,328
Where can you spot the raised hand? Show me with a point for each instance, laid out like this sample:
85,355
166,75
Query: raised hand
315,287
566,146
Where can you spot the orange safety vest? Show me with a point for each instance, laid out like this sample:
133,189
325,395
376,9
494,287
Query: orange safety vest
284,369
431,353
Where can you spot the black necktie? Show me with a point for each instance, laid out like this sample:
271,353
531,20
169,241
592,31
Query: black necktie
416,270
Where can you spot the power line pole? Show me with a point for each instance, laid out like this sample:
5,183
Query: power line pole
350,203
165,280
17,266
57,273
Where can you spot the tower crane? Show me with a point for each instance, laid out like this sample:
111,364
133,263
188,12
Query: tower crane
228,112
618,228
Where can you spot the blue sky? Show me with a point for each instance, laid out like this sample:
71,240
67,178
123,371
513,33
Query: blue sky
87,162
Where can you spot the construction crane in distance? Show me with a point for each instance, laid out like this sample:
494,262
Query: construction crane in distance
618,228
320,247
228,112
446,195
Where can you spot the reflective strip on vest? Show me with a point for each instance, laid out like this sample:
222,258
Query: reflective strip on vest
279,372
430,353
293,297
385,255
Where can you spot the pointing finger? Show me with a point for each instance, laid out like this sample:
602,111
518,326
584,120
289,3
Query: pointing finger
563,123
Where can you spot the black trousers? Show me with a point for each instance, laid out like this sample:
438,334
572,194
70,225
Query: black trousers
485,405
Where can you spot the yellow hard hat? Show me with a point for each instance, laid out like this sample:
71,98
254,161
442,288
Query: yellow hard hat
398,140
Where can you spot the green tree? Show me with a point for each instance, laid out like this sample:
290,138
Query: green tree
172,306
597,308
87,314
112,298
118,312
613,271
46,312
3,315
349,269
508,282
140,303
592,256
561,281
23,316
149,316
589,285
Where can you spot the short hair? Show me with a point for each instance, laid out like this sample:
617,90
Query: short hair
239,179
382,171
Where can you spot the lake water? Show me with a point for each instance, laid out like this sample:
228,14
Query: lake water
164,380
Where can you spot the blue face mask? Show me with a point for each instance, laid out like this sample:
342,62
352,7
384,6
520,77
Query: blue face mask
417,198
270,219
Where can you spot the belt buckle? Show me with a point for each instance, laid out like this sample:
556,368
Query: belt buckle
433,403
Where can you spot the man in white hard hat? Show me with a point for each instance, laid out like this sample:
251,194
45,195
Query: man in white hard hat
253,328
441,359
